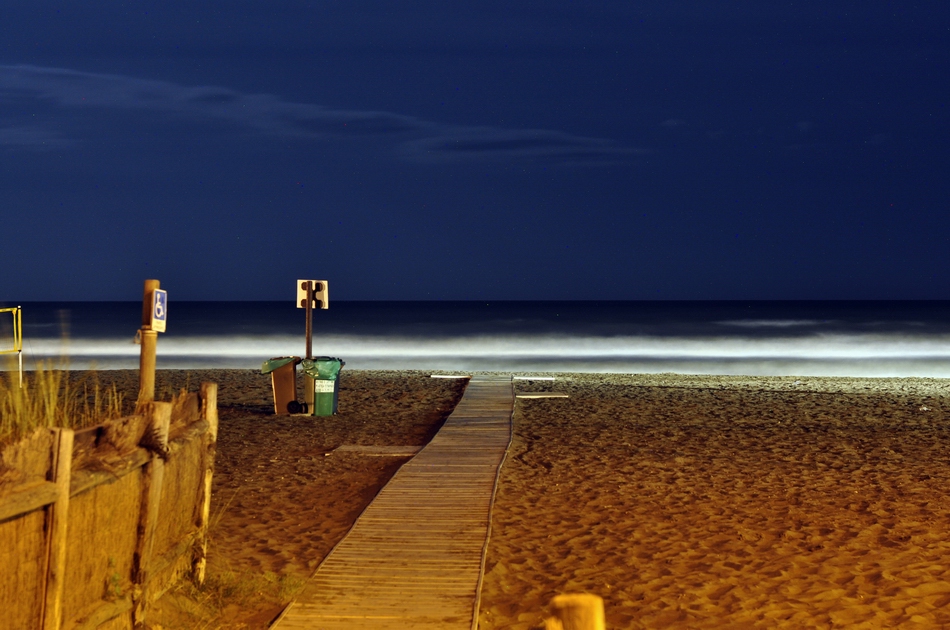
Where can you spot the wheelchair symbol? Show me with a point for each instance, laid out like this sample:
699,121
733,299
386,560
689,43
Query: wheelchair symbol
159,310
160,305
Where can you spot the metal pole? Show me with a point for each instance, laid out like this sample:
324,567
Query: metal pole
309,320
308,380
18,338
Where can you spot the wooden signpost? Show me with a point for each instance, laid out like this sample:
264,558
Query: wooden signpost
154,316
311,294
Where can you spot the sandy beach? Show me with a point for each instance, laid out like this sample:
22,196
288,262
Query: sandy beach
699,502
685,502
282,494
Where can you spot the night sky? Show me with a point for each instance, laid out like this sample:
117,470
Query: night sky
493,150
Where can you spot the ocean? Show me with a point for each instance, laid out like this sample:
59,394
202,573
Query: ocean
880,339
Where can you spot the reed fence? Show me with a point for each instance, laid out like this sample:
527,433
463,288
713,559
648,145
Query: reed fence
96,524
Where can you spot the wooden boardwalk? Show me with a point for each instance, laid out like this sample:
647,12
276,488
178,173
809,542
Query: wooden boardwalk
415,557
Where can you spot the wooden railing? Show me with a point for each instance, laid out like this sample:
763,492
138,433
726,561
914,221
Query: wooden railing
96,524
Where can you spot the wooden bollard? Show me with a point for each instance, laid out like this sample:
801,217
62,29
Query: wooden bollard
149,340
576,611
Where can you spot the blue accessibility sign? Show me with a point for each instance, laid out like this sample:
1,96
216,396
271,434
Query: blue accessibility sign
159,310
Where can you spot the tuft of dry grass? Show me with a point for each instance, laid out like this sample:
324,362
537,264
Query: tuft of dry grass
50,398
226,587
216,604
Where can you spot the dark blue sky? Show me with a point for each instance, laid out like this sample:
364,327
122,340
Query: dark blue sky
491,150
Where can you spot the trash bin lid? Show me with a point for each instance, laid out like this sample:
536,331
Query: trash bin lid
277,362
322,368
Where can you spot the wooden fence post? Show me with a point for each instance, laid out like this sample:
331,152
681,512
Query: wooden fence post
149,339
209,411
576,611
159,414
57,518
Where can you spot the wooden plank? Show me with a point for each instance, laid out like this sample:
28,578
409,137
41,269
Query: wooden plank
415,557
28,498
84,480
379,451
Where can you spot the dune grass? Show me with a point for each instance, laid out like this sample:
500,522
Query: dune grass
50,398
228,596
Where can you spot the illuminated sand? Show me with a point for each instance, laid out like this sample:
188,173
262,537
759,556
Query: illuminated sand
284,491
727,502
686,502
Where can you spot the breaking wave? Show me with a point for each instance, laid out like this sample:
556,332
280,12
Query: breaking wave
880,355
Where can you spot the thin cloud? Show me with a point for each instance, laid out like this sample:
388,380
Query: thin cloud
33,138
417,138
530,144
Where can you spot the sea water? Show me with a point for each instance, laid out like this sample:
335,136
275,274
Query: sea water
882,339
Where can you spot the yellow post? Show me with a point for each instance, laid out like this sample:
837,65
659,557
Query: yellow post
149,343
17,313
18,341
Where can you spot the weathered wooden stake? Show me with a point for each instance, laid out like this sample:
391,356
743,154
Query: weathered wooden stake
160,414
209,408
57,518
209,411
576,611
149,340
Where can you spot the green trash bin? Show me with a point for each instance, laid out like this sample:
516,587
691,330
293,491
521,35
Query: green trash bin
325,372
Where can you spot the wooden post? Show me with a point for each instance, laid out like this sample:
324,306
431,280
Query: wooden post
159,414
209,411
576,611
149,343
147,367
209,408
56,519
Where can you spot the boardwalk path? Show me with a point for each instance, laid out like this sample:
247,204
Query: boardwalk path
414,558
